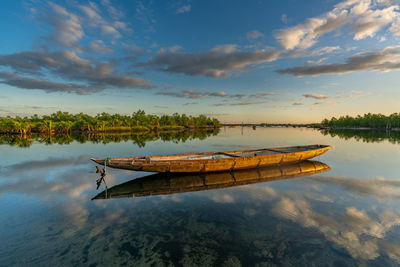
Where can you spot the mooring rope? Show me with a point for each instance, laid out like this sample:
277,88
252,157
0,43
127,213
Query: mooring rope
102,176
105,172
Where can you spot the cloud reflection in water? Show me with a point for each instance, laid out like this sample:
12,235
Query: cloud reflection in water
189,223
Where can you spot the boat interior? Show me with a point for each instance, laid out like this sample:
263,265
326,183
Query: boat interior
233,154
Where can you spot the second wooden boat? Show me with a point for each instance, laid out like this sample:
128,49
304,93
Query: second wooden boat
216,161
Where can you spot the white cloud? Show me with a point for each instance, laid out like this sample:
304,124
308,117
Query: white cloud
62,62
284,18
325,50
387,2
254,35
372,21
364,17
112,11
91,13
242,102
220,94
224,49
188,93
316,96
297,103
217,63
100,47
183,9
144,14
67,65
263,95
385,60
122,25
107,29
67,27
194,94
316,62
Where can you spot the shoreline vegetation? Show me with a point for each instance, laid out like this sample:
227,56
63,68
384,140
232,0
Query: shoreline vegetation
66,123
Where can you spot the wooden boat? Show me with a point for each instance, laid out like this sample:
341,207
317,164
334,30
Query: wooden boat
216,161
169,183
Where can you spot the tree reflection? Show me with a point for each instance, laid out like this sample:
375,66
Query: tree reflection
138,138
368,136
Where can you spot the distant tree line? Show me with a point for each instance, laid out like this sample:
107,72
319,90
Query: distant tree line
377,121
64,122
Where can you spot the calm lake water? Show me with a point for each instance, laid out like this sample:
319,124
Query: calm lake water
343,217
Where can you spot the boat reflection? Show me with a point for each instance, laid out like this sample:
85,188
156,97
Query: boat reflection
164,184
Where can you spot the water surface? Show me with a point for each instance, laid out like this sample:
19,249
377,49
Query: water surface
346,216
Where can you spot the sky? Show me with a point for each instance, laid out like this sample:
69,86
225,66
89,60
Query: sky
275,61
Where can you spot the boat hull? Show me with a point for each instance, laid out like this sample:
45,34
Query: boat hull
204,162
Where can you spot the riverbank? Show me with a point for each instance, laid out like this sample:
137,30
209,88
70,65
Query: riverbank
64,122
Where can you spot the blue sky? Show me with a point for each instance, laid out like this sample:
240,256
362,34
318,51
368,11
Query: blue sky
240,61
